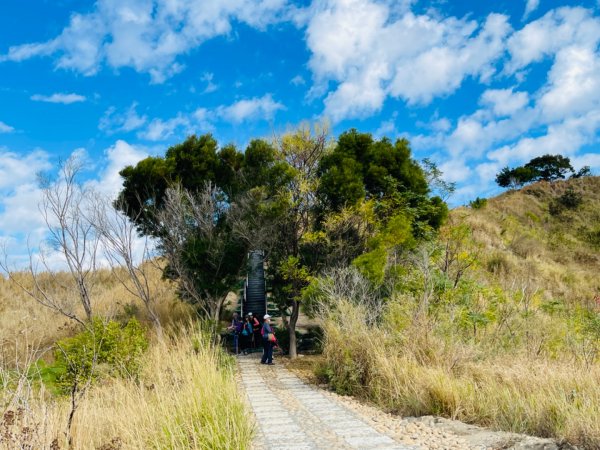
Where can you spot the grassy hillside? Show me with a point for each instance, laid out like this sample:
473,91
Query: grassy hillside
548,233
493,323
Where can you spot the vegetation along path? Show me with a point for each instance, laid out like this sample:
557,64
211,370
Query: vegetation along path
291,414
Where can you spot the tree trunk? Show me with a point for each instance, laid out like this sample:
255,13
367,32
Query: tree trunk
292,328
156,322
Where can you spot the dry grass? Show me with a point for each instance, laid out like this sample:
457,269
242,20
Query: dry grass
559,251
26,325
186,398
416,371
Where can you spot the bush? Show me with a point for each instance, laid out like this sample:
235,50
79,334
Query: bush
104,347
525,246
568,200
498,263
478,203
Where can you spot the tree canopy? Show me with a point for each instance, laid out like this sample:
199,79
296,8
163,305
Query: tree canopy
309,202
546,168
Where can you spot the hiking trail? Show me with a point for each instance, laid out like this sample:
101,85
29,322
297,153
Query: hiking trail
293,415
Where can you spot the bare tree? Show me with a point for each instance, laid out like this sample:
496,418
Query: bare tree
200,247
72,236
346,284
129,255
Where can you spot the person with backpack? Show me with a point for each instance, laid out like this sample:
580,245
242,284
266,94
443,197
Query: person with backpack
246,335
235,329
268,338
255,330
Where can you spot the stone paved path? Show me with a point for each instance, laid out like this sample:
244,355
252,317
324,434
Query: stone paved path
292,415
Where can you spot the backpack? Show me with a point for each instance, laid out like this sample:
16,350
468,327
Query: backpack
247,331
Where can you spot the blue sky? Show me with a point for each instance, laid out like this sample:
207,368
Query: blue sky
473,85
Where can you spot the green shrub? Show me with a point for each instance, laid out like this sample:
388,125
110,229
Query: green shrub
478,203
571,199
568,200
104,348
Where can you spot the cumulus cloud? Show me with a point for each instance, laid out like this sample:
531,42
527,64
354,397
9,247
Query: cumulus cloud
573,83
504,102
546,36
373,51
65,99
159,130
207,78
204,120
4,128
256,108
510,125
22,227
116,157
19,198
16,169
298,80
147,35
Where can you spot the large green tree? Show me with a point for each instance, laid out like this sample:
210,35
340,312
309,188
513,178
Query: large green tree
311,203
546,168
361,168
182,200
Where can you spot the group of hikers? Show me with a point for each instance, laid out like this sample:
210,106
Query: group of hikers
250,334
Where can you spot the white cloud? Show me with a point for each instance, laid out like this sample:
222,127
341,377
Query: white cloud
4,128
554,31
210,86
587,159
199,121
113,122
159,130
373,52
22,227
504,102
511,126
573,83
456,170
147,35
19,197
530,6
65,99
298,80
118,156
256,108
16,169
387,128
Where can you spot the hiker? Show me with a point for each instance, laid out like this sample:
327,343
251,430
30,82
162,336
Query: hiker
246,335
268,338
235,329
255,330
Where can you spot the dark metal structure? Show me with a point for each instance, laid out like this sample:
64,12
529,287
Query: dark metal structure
254,298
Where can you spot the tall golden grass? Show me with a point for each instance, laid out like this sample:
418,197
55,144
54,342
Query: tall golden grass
418,371
186,396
